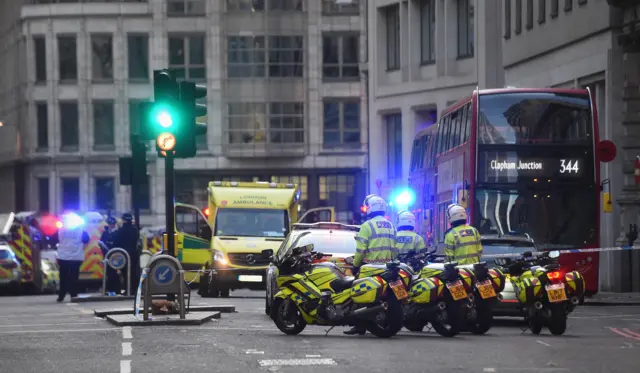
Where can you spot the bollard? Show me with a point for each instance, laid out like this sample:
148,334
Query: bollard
106,263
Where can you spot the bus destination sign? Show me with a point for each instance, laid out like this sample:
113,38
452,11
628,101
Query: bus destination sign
508,167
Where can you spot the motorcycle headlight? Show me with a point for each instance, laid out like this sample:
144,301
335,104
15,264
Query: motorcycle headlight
219,257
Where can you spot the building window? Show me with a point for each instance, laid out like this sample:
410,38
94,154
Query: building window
42,118
554,9
103,125
286,56
69,126
341,123
138,46
102,57
40,50
507,19
105,193
568,5
392,22
427,31
465,28
529,24
339,191
542,11
246,56
187,56
245,5
143,199
185,7
67,58
43,194
302,181
247,122
286,122
393,124
332,7
70,193
518,29
285,5
340,56
582,2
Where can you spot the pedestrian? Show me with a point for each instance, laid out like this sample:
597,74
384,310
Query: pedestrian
127,237
462,242
375,242
406,238
72,238
108,235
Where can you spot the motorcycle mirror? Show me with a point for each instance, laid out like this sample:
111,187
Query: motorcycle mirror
348,260
554,254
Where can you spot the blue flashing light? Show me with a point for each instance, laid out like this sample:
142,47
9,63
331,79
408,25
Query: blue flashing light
72,221
405,198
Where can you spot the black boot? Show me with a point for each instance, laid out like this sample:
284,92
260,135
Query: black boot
358,329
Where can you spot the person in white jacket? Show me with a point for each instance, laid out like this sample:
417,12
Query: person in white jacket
71,240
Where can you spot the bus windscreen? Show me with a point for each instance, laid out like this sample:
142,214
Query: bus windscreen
535,118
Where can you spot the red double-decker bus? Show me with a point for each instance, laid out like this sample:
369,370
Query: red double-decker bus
522,161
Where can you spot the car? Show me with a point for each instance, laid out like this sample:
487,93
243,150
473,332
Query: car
506,244
10,273
337,240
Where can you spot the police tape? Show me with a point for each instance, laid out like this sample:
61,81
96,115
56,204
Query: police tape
567,251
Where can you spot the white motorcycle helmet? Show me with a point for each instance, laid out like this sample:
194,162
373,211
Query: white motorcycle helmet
456,213
374,204
406,219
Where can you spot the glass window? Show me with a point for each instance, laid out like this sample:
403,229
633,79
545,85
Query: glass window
542,11
102,57
103,125
518,27
245,5
554,9
41,58
535,118
43,194
246,56
505,246
529,24
237,222
246,122
467,122
285,5
332,7
394,145
143,199
427,31
184,7
187,56
446,129
341,123
286,56
340,56
190,221
568,5
286,122
105,193
138,57
301,181
42,122
507,18
70,139
70,193
339,191
67,58
330,242
455,129
392,22
465,28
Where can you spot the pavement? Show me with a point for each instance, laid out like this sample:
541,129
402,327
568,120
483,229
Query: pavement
39,335
613,299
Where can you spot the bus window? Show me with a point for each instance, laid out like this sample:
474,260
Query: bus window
433,149
414,154
466,122
421,151
439,149
457,129
446,129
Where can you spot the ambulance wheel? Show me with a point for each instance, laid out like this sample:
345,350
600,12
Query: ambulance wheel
224,293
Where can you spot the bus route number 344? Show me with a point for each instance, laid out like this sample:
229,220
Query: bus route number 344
569,166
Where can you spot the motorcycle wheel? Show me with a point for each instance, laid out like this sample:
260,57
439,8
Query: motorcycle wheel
415,326
558,321
290,327
484,318
267,306
535,324
454,322
392,322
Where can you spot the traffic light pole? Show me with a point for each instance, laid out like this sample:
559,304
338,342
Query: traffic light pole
169,200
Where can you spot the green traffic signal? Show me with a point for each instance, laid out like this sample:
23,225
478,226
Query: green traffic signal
164,119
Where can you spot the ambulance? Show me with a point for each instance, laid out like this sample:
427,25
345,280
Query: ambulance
244,218
20,232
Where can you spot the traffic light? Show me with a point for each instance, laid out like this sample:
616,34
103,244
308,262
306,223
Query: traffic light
162,119
191,111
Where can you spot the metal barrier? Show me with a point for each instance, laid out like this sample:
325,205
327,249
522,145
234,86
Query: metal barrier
116,258
163,275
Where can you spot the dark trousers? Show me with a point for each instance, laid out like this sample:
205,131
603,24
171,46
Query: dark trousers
69,274
113,280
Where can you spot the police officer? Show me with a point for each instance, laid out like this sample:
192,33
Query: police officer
107,237
376,242
461,242
127,237
406,238
72,238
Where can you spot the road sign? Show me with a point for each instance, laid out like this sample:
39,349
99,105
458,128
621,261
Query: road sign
164,274
166,141
117,261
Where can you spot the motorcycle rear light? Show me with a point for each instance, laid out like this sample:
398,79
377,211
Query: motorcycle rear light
555,275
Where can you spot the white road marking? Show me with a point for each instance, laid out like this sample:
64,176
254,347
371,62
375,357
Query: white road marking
60,331
58,324
126,349
313,356
543,343
71,304
296,362
126,332
252,351
627,345
125,366
489,370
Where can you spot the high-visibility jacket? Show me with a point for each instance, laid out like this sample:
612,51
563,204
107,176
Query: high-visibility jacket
71,243
462,244
376,242
409,240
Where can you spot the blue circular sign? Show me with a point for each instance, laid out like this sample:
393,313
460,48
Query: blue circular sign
164,274
117,260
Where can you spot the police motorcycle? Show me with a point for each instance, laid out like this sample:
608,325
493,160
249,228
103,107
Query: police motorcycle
546,294
476,283
321,294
